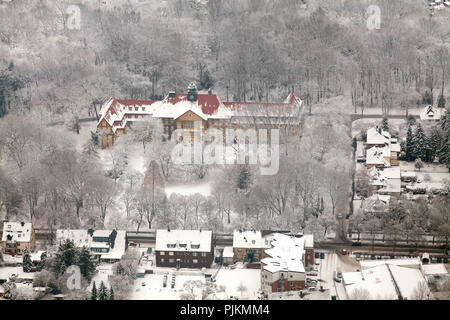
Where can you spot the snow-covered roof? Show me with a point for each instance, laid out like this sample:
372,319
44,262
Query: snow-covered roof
407,279
7,272
102,233
378,136
228,252
430,113
351,277
37,255
18,231
376,156
286,254
117,112
183,240
397,262
435,268
377,281
118,251
251,239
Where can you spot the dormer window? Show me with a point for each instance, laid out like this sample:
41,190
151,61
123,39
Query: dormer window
130,109
136,108
143,108
195,246
171,245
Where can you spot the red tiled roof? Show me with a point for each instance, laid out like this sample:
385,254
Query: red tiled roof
209,103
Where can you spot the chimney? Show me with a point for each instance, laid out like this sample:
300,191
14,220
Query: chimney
172,94
168,229
209,91
22,223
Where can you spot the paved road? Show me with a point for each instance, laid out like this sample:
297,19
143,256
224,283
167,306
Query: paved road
334,262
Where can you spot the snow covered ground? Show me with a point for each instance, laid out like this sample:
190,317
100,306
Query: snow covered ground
151,286
202,187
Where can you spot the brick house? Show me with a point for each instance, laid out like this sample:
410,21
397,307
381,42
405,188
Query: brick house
16,237
184,248
283,268
249,245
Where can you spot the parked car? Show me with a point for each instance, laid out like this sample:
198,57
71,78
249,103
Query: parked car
356,244
344,252
132,244
336,278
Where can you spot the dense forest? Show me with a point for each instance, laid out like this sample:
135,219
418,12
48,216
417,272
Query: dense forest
58,61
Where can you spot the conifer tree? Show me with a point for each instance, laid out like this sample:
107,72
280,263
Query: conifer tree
87,266
444,152
420,143
409,145
94,292
244,178
102,292
26,262
385,123
111,293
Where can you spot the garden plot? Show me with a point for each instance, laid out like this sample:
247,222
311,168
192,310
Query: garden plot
155,290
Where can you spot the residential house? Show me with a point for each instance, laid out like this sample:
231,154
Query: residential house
283,268
184,248
16,237
382,150
104,245
249,245
430,113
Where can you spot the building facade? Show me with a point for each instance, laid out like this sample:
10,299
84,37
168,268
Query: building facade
196,112
17,236
184,248
249,245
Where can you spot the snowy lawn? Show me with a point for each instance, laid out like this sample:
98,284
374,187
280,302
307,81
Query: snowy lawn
436,173
154,289
232,279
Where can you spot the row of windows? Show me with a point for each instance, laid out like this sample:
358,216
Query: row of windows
194,254
135,108
173,260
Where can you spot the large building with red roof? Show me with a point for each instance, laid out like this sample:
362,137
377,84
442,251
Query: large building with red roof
183,110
